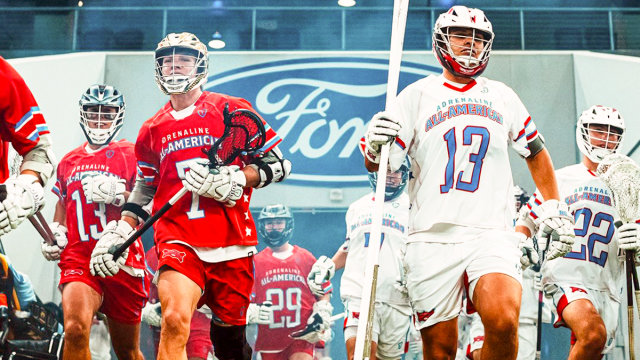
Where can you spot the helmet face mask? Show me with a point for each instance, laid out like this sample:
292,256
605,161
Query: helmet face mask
462,41
102,110
395,182
182,63
276,225
600,132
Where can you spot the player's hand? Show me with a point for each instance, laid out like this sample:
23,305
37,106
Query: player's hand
261,314
629,237
152,314
318,325
555,229
321,272
537,281
24,197
52,252
102,263
383,129
224,184
104,189
529,254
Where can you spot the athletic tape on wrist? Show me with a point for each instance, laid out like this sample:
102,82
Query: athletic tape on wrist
135,209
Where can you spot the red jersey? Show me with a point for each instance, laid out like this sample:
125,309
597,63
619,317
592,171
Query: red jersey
166,144
21,122
86,221
284,283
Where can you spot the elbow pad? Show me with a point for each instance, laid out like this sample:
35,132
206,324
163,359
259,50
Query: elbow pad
272,167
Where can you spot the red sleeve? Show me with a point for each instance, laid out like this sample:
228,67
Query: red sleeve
60,188
129,153
21,122
148,162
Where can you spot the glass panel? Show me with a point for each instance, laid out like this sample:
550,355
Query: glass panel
119,30
565,30
626,27
36,30
506,27
233,25
417,35
299,30
368,30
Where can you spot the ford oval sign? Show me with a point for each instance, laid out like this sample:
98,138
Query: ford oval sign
320,107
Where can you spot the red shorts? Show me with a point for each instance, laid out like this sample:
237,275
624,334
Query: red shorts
226,285
123,295
298,346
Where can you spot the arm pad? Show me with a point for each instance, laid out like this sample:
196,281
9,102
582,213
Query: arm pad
141,196
272,167
40,159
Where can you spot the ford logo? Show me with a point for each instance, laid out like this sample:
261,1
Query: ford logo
320,107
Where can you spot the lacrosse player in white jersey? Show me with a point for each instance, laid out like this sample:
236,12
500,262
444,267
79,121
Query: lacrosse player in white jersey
586,283
392,317
457,127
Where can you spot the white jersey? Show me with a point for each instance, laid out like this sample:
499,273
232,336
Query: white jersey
394,243
593,261
458,141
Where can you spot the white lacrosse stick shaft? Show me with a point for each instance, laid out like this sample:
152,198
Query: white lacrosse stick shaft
363,336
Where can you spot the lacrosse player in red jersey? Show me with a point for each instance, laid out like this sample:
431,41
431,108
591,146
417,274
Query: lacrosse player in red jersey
206,241
23,126
457,128
93,183
282,304
586,283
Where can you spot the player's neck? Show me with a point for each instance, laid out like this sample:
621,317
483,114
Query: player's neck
282,248
183,101
456,79
93,148
593,166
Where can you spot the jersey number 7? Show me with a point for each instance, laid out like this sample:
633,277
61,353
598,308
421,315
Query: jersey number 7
477,159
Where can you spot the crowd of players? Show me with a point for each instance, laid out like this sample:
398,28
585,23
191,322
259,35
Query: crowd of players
456,274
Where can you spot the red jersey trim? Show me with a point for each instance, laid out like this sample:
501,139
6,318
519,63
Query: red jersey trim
462,89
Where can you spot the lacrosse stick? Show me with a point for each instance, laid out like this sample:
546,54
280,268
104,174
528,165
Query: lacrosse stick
622,176
316,325
537,267
243,132
364,334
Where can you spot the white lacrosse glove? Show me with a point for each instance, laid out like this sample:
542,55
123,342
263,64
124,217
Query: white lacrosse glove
224,184
25,196
321,272
629,237
261,314
318,325
104,189
555,229
102,263
383,129
537,281
152,314
52,252
529,254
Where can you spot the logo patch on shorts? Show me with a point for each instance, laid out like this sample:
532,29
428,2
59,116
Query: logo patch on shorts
478,339
178,255
73,272
423,316
356,314
577,289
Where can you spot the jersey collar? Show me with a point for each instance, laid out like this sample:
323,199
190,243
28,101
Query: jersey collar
462,89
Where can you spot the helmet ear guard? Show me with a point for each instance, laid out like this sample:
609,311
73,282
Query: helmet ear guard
174,45
611,129
102,97
272,212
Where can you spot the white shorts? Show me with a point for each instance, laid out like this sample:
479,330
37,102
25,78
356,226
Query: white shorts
527,338
391,326
476,334
608,308
438,273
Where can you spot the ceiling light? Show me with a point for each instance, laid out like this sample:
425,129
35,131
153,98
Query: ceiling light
346,3
217,42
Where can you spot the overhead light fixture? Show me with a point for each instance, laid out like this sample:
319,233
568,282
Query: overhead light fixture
346,3
217,42
218,4
80,3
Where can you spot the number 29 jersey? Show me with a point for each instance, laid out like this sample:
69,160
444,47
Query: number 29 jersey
86,221
284,283
458,141
593,261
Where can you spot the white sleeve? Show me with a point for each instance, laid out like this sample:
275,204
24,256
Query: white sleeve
345,246
524,135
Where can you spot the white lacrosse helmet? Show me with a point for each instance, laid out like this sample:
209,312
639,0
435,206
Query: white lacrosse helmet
182,63
463,17
596,144
101,113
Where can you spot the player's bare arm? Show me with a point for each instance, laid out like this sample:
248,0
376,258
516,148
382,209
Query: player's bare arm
541,168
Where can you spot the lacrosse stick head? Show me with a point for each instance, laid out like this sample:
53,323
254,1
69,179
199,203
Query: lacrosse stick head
244,132
622,176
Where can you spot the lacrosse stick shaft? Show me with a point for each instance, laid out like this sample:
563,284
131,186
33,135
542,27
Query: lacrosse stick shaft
147,224
363,336
630,264
539,340
634,276
42,231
